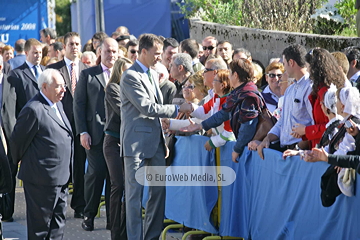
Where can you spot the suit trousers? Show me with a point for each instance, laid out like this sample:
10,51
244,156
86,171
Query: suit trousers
96,172
77,201
45,211
155,205
115,164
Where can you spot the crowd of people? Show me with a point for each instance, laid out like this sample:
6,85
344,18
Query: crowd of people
116,102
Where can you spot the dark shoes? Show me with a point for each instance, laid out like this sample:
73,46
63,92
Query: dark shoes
88,224
78,214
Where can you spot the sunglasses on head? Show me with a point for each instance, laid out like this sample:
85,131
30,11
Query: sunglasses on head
272,75
134,51
208,70
209,47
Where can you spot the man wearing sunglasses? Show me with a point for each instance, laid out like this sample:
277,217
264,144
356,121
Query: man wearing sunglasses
209,46
132,48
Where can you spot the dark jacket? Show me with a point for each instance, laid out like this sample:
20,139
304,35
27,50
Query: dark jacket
351,160
112,109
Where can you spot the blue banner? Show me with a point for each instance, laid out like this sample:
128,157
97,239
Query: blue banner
22,19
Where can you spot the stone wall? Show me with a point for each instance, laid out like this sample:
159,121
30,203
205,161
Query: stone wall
266,44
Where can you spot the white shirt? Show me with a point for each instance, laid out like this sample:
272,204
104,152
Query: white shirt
355,77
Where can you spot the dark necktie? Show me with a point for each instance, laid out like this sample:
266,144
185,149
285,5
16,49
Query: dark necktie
149,75
36,72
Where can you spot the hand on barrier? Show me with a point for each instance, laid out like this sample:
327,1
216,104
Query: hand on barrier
234,157
316,155
192,127
253,145
208,146
264,144
290,153
85,141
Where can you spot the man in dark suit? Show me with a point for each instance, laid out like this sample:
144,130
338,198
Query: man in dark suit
42,140
141,138
89,113
29,71
70,68
7,120
20,57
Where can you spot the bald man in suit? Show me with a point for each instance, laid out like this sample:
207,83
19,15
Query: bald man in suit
42,140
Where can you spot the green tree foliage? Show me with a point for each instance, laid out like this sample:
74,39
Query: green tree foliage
348,11
285,15
63,17
218,11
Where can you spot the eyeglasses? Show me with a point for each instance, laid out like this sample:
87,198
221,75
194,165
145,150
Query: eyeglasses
215,80
208,70
134,51
209,47
188,86
272,75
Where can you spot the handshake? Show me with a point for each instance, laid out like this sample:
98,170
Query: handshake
186,108
181,123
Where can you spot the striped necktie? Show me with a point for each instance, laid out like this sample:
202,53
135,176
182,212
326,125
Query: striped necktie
73,78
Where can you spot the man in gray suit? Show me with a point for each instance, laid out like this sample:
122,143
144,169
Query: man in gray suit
42,140
141,138
89,114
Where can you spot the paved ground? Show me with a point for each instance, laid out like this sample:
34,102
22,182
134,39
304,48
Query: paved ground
17,230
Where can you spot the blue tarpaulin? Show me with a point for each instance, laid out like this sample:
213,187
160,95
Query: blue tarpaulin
270,199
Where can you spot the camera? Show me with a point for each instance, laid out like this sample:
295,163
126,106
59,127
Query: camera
348,124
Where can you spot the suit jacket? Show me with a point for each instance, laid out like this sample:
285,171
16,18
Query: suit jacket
43,143
29,85
67,100
141,108
8,105
89,110
112,108
6,68
17,61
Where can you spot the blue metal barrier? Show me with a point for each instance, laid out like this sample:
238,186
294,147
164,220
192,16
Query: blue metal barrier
270,199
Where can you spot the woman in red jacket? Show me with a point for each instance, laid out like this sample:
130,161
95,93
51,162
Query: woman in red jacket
324,71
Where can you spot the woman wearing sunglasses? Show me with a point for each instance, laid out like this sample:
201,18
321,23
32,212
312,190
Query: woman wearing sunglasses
241,107
271,93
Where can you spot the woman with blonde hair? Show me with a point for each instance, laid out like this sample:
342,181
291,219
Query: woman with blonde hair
112,151
7,53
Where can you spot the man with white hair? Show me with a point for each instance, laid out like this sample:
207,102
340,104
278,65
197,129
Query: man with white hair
168,89
43,141
88,58
180,69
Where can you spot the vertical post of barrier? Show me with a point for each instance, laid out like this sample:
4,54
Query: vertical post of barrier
218,171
